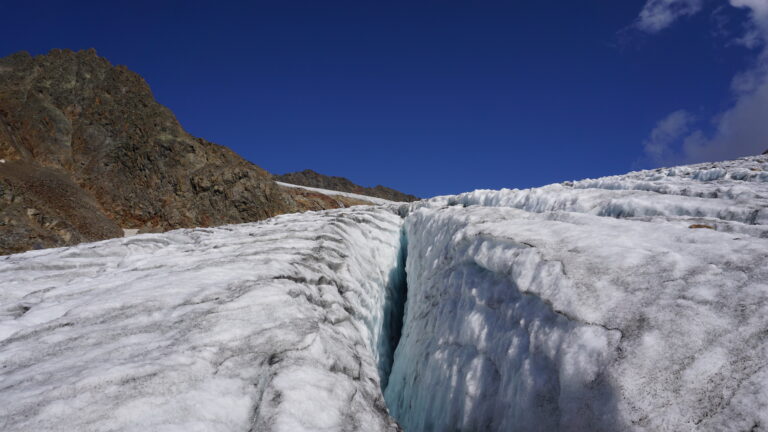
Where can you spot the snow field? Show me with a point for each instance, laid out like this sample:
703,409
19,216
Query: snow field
264,326
367,198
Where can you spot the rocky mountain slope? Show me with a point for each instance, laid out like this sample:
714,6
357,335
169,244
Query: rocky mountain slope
98,131
626,303
85,151
316,180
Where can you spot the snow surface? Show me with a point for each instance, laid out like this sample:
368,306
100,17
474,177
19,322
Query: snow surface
264,326
130,232
370,199
634,302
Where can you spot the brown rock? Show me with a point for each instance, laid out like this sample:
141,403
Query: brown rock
86,145
696,226
43,207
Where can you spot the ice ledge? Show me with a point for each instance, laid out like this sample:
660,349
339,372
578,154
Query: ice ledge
566,321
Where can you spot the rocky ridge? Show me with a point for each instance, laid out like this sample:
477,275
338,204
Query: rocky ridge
86,151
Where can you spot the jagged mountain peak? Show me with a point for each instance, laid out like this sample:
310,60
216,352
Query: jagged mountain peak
121,160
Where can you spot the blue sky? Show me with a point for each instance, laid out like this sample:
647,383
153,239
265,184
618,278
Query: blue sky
437,97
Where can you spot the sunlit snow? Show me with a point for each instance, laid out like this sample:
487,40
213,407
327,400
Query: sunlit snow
366,198
636,302
265,326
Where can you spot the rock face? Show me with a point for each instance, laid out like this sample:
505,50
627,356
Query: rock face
313,179
41,207
86,150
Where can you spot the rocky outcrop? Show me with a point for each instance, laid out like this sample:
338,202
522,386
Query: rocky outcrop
313,179
86,150
43,207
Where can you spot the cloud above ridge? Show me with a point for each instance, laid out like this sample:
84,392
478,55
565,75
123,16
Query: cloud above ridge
657,15
667,131
740,130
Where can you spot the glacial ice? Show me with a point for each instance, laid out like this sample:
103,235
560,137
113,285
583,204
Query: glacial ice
631,302
263,326
566,321
636,302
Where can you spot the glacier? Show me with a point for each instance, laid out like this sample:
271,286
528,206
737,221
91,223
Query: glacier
636,302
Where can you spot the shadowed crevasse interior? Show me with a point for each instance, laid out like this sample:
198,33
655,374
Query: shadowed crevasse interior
479,351
394,310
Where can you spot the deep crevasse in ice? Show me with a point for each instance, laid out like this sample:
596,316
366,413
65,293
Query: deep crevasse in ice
589,305
482,349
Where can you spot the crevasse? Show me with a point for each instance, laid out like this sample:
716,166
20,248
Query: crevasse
393,310
479,351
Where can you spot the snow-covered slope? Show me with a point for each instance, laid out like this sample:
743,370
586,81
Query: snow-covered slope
634,302
367,198
264,326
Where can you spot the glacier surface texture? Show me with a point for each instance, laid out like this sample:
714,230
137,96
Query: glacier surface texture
635,302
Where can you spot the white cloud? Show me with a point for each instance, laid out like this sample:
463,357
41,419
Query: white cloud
758,10
757,27
738,131
668,131
660,14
